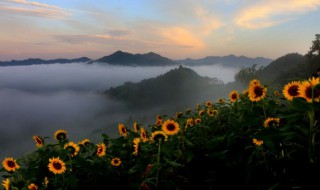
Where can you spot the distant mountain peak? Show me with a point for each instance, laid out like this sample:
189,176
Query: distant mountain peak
127,59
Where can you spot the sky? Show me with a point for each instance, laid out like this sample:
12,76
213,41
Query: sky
176,29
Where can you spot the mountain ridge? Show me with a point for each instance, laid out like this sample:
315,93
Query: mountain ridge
153,59
228,60
122,58
37,61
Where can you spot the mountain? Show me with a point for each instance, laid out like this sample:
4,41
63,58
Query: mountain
284,68
128,59
230,61
32,61
178,87
150,59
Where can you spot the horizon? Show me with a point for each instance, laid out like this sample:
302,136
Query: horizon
142,53
175,29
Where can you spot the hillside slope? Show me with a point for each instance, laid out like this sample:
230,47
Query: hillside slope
179,86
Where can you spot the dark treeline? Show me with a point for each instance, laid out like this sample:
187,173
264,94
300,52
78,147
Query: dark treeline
292,66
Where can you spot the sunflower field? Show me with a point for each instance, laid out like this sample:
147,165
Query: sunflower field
257,139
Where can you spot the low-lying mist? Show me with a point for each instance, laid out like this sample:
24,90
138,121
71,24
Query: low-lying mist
40,99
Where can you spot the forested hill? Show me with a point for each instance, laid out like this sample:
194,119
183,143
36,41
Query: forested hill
178,87
286,65
287,68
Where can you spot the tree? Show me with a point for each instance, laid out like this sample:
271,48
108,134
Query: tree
246,74
315,48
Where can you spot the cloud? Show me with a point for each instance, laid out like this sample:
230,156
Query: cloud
32,8
40,99
118,32
265,14
103,41
208,22
181,37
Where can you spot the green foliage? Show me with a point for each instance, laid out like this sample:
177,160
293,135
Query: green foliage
235,147
247,74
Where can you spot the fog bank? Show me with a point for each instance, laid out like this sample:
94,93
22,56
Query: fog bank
40,99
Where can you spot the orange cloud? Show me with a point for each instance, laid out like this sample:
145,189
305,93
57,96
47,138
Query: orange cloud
273,12
181,37
36,4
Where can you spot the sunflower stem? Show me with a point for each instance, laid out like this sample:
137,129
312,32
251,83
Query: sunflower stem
158,162
311,135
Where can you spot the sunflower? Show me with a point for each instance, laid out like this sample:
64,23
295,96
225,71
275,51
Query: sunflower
135,127
256,92
72,148
200,112
159,122
159,117
245,92
221,101
208,104
60,135
307,87
178,114
254,82
122,130
84,142
215,112
170,127
271,122
10,164
39,141
188,111
143,134
210,112
56,165
6,184
32,186
101,149
116,162
157,136
276,93
234,96
290,90
136,142
257,142
45,181
197,121
190,122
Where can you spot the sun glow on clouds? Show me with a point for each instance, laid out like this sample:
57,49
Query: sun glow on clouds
182,37
265,14
175,29
32,8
